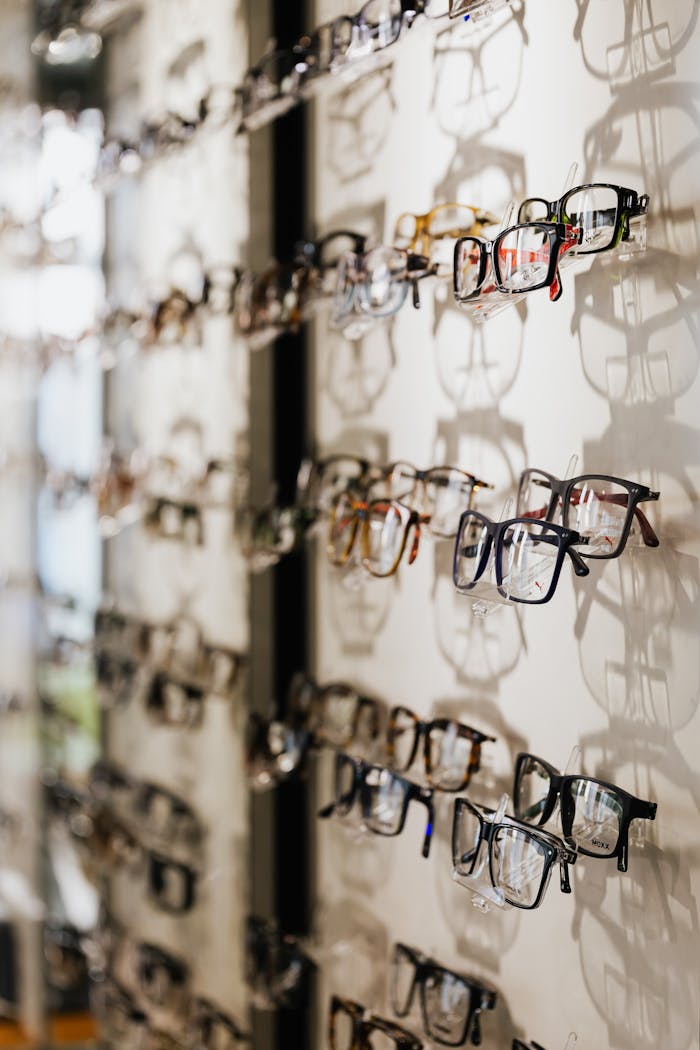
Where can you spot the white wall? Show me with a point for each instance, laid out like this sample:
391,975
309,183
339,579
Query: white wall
609,373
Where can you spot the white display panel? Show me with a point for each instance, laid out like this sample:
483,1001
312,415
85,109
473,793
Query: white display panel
485,114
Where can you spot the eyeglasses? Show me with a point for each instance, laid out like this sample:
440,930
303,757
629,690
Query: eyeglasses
384,797
520,859
601,210
433,234
277,300
321,481
600,507
451,750
267,534
520,259
324,254
383,526
352,1027
376,284
271,303
595,815
283,77
335,714
277,969
446,492
450,1002
275,750
527,557
209,1028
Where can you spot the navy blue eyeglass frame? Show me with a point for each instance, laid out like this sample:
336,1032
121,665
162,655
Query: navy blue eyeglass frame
566,539
632,808
362,789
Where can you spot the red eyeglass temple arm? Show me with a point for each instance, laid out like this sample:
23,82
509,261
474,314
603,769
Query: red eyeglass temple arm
648,534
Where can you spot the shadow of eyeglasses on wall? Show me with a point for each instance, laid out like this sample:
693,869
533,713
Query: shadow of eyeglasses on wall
355,373
650,914
637,632
358,119
355,948
479,649
647,38
471,88
636,324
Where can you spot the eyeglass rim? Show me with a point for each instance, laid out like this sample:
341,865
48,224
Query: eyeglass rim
564,486
495,531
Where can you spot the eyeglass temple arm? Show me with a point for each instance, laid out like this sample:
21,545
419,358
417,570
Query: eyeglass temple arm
640,810
425,795
580,566
564,860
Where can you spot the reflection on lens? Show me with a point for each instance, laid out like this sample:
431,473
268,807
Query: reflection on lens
595,210
531,790
343,525
338,711
466,833
472,548
528,561
447,494
386,795
385,286
533,210
597,817
517,865
449,756
535,498
345,286
402,735
598,510
447,1000
468,267
402,975
384,537
523,258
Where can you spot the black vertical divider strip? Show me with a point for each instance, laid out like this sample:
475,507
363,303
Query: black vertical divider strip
290,576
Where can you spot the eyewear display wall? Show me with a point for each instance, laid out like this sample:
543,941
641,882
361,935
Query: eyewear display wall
459,116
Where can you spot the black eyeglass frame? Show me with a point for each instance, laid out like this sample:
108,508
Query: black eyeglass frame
633,808
557,235
567,540
563,488
554,849
480,997
361,789
630,205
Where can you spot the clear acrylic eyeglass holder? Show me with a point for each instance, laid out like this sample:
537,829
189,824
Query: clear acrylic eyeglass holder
489,304
485,895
